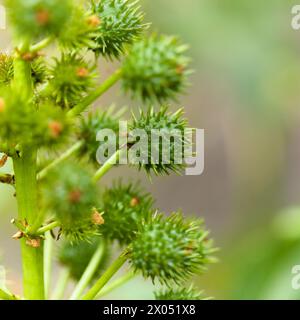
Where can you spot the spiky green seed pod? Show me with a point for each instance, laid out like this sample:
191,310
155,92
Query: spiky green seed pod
53,126
179,294
76,256
72,198
71,79
46,126
125,206
38,70
156,69
171,249
91,125
81,30
121,23
164,151
15,125
37,18
6,69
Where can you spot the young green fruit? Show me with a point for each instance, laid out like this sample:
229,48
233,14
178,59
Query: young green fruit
166,154
72,199
71,79
120,24
81,30
156,69
171,249
39,18
126,206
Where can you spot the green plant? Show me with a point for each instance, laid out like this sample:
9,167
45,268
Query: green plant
42,111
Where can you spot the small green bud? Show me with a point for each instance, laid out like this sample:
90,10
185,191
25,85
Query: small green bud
6,69
37,18
72,198
15,125
125,206
71,79
156,69
39,72
53,126
120,24
171,249
46,126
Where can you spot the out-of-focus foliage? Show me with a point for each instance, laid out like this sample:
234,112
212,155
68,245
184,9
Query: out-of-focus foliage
247,63
265,272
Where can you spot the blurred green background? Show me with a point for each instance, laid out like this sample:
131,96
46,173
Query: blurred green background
245,93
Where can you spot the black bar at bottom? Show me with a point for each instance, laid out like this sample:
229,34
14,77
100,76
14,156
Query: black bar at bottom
90,310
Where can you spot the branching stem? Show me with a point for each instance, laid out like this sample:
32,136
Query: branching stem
89,272
66,155
47,228
7,296
98,92
40,45
108,274
116,284
111,162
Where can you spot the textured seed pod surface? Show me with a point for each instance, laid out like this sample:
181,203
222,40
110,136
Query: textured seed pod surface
163,150
156,69
171,249
121,23
125,206
72,199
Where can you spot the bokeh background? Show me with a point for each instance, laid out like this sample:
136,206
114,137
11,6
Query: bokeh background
245,93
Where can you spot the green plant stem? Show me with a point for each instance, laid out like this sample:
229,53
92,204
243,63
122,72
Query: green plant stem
48,252
111,162
63,157
98,92
7,296
25,168
108,274
61,285
116,284
89,272
32,258
47,228
41,45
